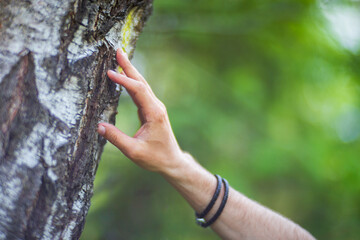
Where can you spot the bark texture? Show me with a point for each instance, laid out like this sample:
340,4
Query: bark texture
53,92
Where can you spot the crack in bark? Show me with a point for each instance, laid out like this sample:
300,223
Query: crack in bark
14,103
45,198
18,94
78,169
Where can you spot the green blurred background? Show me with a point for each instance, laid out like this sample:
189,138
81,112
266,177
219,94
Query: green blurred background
264,93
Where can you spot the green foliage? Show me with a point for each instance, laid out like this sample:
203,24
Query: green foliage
260,92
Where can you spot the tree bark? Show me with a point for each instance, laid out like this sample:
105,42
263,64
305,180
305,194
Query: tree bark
53,93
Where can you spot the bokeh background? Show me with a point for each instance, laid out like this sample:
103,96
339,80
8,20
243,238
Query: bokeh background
264,93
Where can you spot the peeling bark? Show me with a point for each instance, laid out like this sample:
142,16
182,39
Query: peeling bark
53,92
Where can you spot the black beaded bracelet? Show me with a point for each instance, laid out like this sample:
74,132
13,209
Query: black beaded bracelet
202,222
213,200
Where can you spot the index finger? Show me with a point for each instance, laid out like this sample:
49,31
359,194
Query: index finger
126,65
130,70
137,90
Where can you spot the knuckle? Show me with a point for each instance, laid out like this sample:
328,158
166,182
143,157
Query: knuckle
141,78
135,153
140,87
163,108
160,115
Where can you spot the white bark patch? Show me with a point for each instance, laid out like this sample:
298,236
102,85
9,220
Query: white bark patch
47,233
28,152
69,229
52,175
64,103
114,35
32,28
121,35
79,202
80,49
9,192
76,208
6,63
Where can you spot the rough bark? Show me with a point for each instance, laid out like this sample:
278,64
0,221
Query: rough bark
53,92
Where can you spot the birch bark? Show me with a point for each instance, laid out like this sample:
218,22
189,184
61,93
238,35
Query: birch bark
53,92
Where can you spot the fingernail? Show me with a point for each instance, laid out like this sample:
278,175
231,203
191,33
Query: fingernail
123,52
101,130
111,71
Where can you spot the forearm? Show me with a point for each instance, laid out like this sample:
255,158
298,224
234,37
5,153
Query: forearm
241,218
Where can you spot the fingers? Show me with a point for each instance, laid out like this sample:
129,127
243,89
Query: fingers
137,90
126,65
129,70
136,85
122,141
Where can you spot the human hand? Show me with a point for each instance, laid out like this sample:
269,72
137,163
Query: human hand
154,146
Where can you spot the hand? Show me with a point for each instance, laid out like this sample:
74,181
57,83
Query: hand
154,146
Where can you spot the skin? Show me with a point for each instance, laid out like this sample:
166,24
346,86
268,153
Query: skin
154,148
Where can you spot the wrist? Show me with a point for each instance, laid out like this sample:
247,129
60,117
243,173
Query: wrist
180,169
192,181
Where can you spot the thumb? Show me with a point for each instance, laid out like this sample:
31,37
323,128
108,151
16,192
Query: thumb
116,137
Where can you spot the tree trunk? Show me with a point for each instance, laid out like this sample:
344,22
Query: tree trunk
53,93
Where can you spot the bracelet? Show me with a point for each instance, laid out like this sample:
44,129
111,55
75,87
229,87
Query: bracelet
213,200
201,221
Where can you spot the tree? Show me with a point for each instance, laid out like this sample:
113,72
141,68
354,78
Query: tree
53,93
